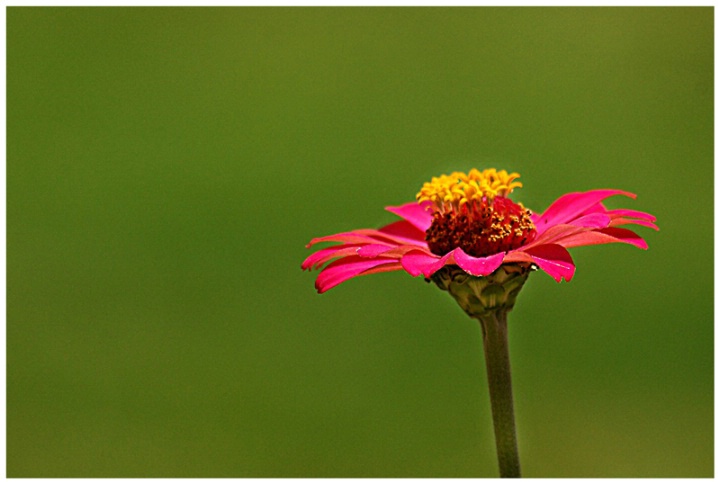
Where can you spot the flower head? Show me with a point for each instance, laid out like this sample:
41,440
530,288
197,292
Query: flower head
468,221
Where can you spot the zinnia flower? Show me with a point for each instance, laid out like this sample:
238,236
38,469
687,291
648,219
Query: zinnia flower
468,221
465,234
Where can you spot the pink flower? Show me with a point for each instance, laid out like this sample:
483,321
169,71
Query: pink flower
468,221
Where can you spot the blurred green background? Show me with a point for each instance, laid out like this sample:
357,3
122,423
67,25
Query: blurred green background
167,166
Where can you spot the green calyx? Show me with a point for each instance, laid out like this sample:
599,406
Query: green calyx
481,295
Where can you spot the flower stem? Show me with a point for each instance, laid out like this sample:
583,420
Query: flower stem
498,369
489,299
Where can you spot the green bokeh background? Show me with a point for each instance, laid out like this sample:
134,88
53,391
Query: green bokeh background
167,166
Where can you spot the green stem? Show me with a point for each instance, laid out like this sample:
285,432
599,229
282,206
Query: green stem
498,369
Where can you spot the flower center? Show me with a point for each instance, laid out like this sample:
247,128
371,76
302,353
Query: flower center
472,212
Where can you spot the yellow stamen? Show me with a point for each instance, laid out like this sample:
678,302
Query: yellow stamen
449,192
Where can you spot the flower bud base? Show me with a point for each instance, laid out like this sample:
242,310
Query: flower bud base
481,295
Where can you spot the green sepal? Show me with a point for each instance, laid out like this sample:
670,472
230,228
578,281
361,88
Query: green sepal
480,295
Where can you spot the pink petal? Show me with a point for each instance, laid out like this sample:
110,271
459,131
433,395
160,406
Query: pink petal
372,250
417,214
554,260
640,222
316,260
376,250
553,234
622,216
596,208
448,258
632,214
399,251
629,216
383,268
518,257
418,262
478,266
594,220
355,237
346,268
572,205
603,236
388,238
404,231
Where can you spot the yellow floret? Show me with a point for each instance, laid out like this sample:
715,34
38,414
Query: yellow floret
456,189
